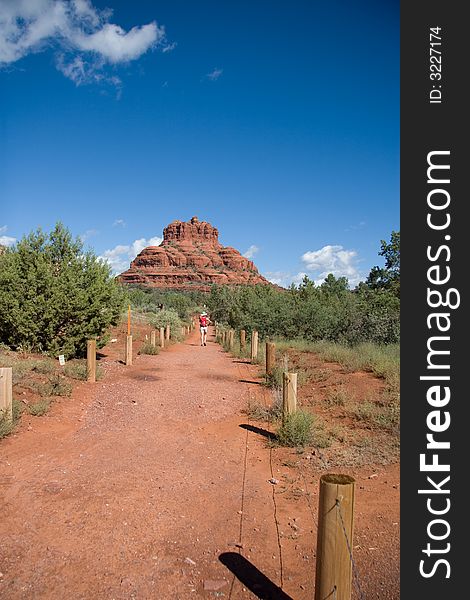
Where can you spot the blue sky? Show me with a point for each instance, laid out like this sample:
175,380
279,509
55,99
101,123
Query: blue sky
276,121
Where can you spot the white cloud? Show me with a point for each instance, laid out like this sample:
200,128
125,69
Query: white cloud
6,240
356,226
252,250
88,234
86,39
115,45
332,259
214,74
119,223
120,257
284,278
169,47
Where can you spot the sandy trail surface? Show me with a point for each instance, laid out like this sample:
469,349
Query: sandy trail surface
153,484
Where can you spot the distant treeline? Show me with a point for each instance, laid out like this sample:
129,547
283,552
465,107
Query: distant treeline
326,312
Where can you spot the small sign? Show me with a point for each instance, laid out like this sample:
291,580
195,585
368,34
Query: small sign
61,360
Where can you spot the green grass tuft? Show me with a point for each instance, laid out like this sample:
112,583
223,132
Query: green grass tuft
296,430
56,386
39,408
148,348
6,427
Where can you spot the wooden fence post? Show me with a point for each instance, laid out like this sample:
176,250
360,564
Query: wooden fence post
91,360
167,332
242,339
289,394
153,337
129,350
6,395
270,357
162,337
335,537
254,345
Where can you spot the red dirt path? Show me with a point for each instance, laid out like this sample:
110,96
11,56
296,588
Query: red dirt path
145,486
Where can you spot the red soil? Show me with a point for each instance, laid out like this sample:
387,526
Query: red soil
146,485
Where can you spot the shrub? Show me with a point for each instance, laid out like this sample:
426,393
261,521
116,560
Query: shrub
44,367
259,412
78,370
56,386
186,303
296,430
40,408
337,397
6,427
167,317
148,348
54,295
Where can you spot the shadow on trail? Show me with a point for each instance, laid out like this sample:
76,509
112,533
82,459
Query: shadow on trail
264,432
250,381
143,377
252,578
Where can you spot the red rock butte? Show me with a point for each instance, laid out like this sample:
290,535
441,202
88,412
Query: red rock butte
191,258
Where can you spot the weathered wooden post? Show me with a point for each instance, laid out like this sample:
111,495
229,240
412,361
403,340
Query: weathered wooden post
167,332
91,360
162,337
289,394
230,339
335,537
224,333
153,337
6,394
270,357
254,345
242,339
129,350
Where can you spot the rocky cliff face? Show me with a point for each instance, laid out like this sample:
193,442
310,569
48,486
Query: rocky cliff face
191,258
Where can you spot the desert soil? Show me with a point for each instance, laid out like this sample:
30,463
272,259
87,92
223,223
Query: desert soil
153,484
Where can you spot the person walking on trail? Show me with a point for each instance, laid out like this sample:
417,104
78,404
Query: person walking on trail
203,325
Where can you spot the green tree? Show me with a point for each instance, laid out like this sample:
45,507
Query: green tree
54,295
387,277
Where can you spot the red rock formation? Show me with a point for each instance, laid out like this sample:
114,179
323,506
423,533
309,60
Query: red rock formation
191,258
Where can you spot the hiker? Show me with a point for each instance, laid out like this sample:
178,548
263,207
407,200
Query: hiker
203,325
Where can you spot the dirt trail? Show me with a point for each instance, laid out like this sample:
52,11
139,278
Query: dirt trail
150,486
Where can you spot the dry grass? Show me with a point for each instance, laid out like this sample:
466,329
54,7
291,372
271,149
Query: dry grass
148,348
39,408
7,427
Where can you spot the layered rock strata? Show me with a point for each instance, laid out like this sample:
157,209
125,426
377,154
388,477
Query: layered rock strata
191,257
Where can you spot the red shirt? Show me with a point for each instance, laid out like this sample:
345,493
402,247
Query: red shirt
203,321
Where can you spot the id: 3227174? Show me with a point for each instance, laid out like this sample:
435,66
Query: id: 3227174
435,64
